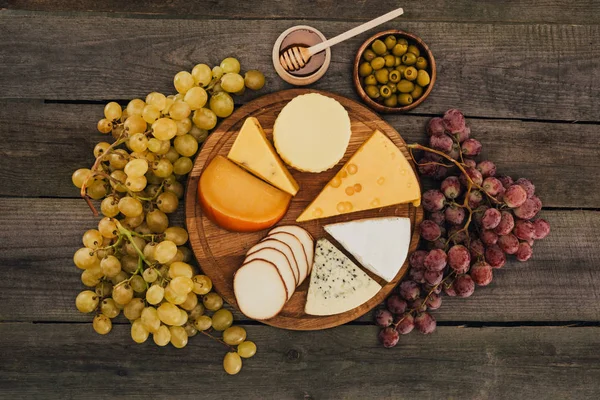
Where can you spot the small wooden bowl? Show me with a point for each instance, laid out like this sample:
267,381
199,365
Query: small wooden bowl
357,80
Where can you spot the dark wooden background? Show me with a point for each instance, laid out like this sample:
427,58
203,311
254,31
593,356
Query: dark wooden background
526,73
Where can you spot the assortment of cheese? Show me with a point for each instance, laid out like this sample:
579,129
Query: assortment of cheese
251,190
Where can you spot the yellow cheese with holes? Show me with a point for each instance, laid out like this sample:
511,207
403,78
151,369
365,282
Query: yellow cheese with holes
253,151
377,175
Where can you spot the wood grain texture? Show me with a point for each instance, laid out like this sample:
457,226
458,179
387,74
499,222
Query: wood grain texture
220,253
516,71
510,11
40,282
49,361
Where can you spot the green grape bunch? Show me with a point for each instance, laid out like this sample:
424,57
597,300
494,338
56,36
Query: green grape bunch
134,262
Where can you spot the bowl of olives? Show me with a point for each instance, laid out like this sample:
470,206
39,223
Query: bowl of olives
394,71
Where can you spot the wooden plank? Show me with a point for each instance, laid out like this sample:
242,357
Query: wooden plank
514,71
71,361
62,136
528,11
40,281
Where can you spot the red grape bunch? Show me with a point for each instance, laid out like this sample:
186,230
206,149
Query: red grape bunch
474,220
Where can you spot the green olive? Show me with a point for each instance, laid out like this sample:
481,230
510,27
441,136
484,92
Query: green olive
365,69
377,63
417,92
421,63
405,86
393,86
402,41
369,54
401,68
385,91
378,47
400,49
395,75
423,78
414,49
372,91
382,76
397,61
391,101
371,80
410,73
405,99
390,60
390,42
409,59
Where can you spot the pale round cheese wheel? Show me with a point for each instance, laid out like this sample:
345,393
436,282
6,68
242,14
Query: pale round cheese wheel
312,132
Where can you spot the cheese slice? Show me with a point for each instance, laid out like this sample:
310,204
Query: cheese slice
311,133
336,283
253,151
377,175
379,244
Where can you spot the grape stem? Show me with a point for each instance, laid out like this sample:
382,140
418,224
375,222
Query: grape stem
218,340
129,236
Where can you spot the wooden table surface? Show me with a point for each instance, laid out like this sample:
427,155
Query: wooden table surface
525,72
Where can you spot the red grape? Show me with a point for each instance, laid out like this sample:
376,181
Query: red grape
506,225
389,337
506,180
430,230
441,172
459,258
469,163
425,323
405,324
523,229
438,217
457,235
478,214
433,200
524,252
515,196
462,135
487,168
418,305
541,228
491,218
464,286
482,274
417,274
442,143
455,152
529,209
417,258
435,127
439,243
492,186
425,168
471,147
488,237
527,185
383,317
474,174
409,290
475,198
433,277
434,301
455,215
508,243
495,256
437,289
454,121
395,304
451,187
449,290
435,260
476,249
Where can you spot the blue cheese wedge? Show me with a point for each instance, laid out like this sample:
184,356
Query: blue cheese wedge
379,244
336,283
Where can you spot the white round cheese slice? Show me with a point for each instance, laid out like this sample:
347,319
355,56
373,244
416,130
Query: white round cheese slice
312,132
259,289
281,262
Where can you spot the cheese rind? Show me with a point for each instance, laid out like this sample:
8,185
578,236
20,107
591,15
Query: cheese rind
377,175
379,244
336,283
312,132
253,151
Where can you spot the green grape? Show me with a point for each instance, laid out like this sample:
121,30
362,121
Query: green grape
120,277
139,333
113,111
150,275
109,206
181,285
136,184
217,72
173,297
190,302
203,322
163,167
221,104
170,101
157,99
136,168
246,349
179,337
180,269
202,75
180,110
254,79
199,134
183,166
176,188
158,222
178,257
167,202
130,207
87,301
197,311
150,113
85,258
196,98
138,142
110,266
232,363
129,264
183,126
150,320
232,82
100,149
102,324
133,222
172,155
165,250
149,253
104,288
143,229
234,335
135,124
122,293
168,313
158,146
155,294
97,189
135,107
90,278
190,329
92,239
177,235
104,126
133,309
109,308
118,180
164,129
202,284
107,228
183,82
205,118
130,245
138,284
230,65
80,176
222,319
162,336
183,317
185,145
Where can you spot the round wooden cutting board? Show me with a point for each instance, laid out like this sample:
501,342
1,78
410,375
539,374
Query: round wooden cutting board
220,253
